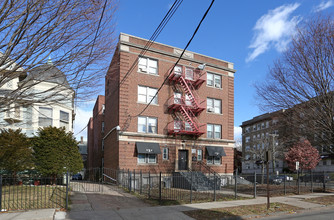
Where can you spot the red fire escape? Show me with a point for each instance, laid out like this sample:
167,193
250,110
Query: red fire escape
187,104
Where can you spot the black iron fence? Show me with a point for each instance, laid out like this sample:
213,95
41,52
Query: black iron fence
197,186
32,192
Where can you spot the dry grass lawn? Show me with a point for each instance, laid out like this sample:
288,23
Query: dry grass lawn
324,200
253,210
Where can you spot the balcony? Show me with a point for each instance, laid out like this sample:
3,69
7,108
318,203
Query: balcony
184,128
196,77
174,104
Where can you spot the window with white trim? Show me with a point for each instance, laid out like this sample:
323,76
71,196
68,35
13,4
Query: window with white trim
214,131
214,80
44,117
214,105
247,139
147,124
146,94
165,153
148,65
199,155
213,160
189,73
64,119
147,158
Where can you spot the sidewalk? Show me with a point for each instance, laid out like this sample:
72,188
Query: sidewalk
125,206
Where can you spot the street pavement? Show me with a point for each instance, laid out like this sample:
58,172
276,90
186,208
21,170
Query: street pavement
112,204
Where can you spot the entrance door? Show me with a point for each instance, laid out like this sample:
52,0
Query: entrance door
183,159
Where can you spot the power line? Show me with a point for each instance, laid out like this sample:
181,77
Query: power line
156,33
192,37
91,51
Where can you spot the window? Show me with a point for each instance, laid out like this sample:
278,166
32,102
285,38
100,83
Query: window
247,148
258,127
254,127
146,94
45,117
189,73
102,144
247,139
165,153
147,125
214,80
247,129
213,160
177,98
267,124
262,125
147,158
102,126
214,105
103,108
148,65
64,119
213,131
199,155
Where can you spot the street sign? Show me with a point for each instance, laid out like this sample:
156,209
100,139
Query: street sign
297,165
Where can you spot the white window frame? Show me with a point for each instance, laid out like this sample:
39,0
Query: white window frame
213,160
165,153
214,130
147,158
41,115
148,65
214,105
214,80
63,120
148,127
199,155
146,93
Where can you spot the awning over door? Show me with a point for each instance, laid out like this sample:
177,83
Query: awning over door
215,151
148,148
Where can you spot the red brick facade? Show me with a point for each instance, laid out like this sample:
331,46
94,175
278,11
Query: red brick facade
96,134
123,108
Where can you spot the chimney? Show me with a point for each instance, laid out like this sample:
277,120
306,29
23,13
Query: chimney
81,140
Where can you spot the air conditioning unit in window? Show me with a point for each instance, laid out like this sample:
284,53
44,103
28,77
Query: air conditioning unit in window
211,109
141,69
217,85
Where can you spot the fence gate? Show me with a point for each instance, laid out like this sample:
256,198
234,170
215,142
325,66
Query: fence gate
90,182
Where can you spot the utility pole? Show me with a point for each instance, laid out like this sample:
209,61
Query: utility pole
274,151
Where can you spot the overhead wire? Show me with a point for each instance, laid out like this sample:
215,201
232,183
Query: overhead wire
155,34
172,69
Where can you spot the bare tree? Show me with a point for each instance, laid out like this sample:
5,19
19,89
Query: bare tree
76,34
302,82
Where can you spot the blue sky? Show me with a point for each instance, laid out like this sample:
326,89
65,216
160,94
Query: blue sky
250,34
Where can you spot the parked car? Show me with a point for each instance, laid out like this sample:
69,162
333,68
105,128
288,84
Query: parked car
319,178
77,176
275,180
287,178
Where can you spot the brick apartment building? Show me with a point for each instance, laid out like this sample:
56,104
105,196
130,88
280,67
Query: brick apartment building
95,132
189,123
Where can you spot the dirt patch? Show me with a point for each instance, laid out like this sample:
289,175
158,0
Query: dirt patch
252,210
324,200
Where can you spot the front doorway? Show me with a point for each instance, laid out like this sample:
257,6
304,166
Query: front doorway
183,160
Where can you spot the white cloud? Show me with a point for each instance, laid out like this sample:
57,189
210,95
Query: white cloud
323,5
81,120
237,132
273,29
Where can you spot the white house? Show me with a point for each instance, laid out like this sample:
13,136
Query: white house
40,98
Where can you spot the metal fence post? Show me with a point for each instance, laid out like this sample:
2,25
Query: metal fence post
134,180
311,181
214,187
191,187
130,181
284,183
235,184
0,193
324,182
149,184
298,182
66,190
141,183
160,188
255,184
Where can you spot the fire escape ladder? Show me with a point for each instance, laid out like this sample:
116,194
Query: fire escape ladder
188,91
189,117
